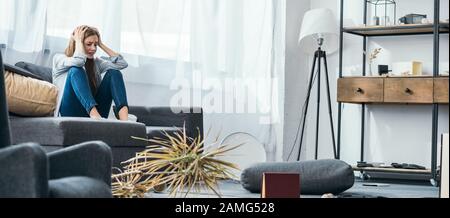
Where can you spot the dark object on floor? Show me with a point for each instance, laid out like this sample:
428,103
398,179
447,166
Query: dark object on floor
280,185
316,176
355,195
363,164
408,166
375,184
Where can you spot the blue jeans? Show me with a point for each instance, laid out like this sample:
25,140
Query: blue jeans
78,100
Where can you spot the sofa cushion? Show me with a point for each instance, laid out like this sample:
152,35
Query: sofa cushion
78,187
67,131
191,118
30,97
21,71
158,131
43,72
317,177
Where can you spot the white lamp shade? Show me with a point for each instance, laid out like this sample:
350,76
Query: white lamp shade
319,22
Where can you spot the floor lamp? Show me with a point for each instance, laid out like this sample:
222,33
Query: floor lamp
318,34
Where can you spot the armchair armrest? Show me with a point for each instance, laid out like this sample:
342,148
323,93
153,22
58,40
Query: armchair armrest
24,172
171,117
92,159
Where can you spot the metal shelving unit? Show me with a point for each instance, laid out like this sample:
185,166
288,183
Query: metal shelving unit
378,31
407,29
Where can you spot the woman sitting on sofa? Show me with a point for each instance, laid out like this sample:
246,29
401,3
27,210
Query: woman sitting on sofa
78,75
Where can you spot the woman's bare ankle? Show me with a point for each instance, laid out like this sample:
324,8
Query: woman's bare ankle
94,114
123,113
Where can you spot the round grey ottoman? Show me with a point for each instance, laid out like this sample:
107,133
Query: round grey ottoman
317,177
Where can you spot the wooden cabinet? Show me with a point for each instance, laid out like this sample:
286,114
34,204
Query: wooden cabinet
395,90
360,90
441,90
408,90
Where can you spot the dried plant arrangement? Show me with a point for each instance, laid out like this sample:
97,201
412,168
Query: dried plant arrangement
181,163
372,57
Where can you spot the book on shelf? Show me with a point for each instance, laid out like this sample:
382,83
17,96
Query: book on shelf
280,185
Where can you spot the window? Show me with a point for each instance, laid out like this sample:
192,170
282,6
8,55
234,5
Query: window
156,28
5,18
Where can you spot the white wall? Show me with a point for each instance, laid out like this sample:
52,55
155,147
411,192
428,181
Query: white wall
295,76
394,133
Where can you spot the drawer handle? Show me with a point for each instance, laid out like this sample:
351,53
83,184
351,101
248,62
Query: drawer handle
359,91
408,91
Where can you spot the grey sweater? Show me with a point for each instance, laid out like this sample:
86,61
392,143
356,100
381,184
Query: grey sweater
62,64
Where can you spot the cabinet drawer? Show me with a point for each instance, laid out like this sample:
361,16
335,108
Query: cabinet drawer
441,90
360,90
408,90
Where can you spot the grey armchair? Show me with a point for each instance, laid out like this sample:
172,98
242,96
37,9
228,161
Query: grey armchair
79,171
82,170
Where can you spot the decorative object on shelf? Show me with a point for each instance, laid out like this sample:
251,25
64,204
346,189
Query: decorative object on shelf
181,163
410,68
425,21
318,35
372,57
413,19
384,10
443,66
375,21
383,70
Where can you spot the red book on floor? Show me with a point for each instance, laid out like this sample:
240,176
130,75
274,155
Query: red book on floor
280,185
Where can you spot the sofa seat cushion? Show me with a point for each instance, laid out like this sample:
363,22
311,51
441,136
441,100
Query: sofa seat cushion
191,118
317,177
158,131
67,131
78,187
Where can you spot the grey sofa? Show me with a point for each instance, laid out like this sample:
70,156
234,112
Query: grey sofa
159,119
54,133
82,170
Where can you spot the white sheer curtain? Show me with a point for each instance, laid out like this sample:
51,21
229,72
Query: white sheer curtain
234,58
226,56
22,28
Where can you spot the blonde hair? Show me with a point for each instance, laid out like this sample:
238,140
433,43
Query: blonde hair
70,50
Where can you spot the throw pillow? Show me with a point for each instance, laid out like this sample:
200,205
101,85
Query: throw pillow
44,72
21,71
317,177
30,97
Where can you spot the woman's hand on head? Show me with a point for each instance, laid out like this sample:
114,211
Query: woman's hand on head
78,33
100,43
